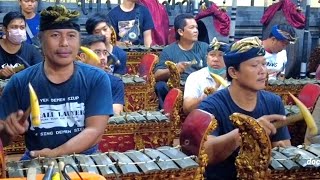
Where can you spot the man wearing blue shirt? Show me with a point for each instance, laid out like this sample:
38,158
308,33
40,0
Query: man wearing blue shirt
97,44
75,98
28,8
132,23
247,72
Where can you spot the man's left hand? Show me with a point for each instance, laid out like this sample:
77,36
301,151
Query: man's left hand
46,152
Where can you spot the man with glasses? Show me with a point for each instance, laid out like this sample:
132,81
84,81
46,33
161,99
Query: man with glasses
28,8
97,44
247,71
275,45
14,52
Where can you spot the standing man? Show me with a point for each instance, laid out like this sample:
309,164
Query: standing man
75,98
247,71
28,9
276,55
97,44
14,51
132,22
183,52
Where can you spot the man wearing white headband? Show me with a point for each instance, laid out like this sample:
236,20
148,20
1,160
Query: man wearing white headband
276,55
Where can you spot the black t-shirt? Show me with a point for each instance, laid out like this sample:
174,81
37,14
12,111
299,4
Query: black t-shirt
27,55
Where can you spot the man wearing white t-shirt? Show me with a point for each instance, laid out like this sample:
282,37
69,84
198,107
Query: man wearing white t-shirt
276,55
201,79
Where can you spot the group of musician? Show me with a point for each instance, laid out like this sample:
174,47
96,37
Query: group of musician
77,96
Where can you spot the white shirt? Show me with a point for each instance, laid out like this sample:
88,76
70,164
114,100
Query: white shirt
276,63
197,82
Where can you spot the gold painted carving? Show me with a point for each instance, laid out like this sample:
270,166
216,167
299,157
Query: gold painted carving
255,151
174,78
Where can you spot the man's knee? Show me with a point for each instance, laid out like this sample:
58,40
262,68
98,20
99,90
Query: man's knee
161,87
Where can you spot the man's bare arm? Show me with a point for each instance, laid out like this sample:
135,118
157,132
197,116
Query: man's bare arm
147,38
117,109
190,103
94,128
283,143
219,148
162,74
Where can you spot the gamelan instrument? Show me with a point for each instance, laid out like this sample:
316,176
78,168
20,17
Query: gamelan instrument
131,79
163,162
141,48
139,117
138,130
256,159
302,162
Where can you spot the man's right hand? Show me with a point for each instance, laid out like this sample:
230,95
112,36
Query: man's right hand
16,123
266,122
182,66
6,72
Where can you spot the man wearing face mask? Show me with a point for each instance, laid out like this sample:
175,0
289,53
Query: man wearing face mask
199,80
14,52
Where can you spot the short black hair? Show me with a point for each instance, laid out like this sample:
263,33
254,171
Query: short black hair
236,67
287,28
11,16
91,39
180,23
94,20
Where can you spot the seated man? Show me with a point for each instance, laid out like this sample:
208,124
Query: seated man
198,81
132,22
183,52
98,25
247,71
275,46
97,44
75,98
13,50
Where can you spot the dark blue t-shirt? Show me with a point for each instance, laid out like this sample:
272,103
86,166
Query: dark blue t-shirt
175,54
33,24
122,56
117,88
123,21
221,105
64,107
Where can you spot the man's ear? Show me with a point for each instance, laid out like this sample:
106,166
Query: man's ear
180,31
232,72
82,57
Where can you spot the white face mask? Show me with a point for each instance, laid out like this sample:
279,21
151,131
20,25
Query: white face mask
17,36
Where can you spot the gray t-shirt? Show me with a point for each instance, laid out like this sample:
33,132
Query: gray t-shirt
175,54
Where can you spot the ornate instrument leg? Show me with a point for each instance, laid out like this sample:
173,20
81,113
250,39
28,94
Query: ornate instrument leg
174,79
255,151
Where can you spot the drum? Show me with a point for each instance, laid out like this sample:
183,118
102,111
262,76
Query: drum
194,132
302,162
163,162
